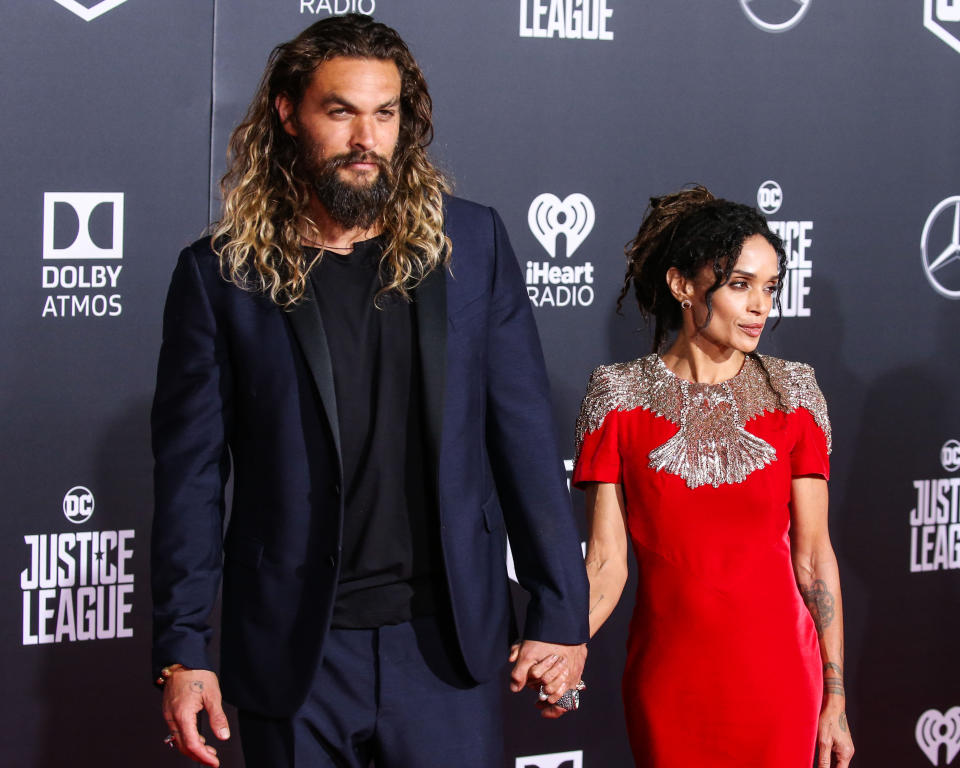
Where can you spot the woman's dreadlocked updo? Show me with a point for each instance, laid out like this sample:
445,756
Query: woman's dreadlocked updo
688,230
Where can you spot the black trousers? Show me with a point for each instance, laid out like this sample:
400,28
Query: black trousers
393,697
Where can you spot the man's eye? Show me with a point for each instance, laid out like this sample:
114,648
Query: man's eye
387,114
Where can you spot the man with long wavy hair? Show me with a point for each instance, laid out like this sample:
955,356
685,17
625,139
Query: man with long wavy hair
358,346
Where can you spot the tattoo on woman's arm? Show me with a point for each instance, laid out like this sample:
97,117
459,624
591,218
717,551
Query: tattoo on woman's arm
599,600
833,680
819,602
833,687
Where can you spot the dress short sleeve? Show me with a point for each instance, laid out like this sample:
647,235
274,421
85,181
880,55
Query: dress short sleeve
810,454
599,457
598,449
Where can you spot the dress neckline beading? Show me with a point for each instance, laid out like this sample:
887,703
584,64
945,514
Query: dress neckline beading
711,445
668,372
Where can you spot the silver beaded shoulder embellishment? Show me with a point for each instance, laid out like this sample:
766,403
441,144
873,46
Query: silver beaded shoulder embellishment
711,446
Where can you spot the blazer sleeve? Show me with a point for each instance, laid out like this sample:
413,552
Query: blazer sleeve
190,423
528,470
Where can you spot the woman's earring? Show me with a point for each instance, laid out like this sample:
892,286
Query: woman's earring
686,304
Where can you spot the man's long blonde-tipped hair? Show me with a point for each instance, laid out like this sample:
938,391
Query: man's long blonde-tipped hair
265,197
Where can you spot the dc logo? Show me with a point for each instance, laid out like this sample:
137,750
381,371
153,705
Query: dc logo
550,216
941,254
934,729
556,760
74,222
935,13
89,12
950,455
78,505
769,20
769,197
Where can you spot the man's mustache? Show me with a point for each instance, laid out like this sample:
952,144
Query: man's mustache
339,161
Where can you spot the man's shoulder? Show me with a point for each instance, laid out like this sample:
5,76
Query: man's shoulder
465,219
460,206
201,256
201,249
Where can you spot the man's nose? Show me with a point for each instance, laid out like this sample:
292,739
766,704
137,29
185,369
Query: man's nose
363,136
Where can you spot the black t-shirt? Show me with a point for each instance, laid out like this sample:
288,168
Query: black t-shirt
390,564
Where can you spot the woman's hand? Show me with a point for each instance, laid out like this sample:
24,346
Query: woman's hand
834,741
550,675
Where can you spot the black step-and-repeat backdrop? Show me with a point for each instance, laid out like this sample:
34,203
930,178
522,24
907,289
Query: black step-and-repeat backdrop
840,120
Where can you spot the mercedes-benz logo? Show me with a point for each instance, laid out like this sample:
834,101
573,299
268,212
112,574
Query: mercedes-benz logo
936,258
778,25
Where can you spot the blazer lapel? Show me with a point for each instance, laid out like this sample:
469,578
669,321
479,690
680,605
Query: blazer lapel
430,302
308,328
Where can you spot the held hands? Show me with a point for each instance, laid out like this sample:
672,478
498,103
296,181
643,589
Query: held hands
555,667
833,739
185,693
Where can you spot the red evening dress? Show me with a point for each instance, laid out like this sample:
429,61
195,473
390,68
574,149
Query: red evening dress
723,664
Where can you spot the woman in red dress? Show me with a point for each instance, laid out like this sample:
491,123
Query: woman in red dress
715,460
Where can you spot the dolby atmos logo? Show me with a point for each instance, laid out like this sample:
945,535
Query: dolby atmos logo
82,248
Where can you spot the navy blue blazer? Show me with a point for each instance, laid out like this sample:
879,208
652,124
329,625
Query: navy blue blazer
243,383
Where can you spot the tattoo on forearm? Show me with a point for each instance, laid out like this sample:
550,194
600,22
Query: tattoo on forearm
831,667
599,600
197,686
833,687
819,602
843,722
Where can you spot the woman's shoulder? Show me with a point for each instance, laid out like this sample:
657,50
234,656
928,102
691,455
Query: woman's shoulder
614,388
797,384
614,381
792,379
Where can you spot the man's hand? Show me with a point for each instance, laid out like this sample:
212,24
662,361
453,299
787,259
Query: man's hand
556,667
185,693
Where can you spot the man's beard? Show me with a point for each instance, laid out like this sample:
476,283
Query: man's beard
352,206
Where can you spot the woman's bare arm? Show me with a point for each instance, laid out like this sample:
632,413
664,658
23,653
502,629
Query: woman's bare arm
606,558
818,578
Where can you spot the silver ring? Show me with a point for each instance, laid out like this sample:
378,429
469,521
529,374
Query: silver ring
170,741
570,700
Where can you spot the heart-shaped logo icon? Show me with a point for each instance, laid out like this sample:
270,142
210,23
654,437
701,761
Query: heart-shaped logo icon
550,216
89,13
934,729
